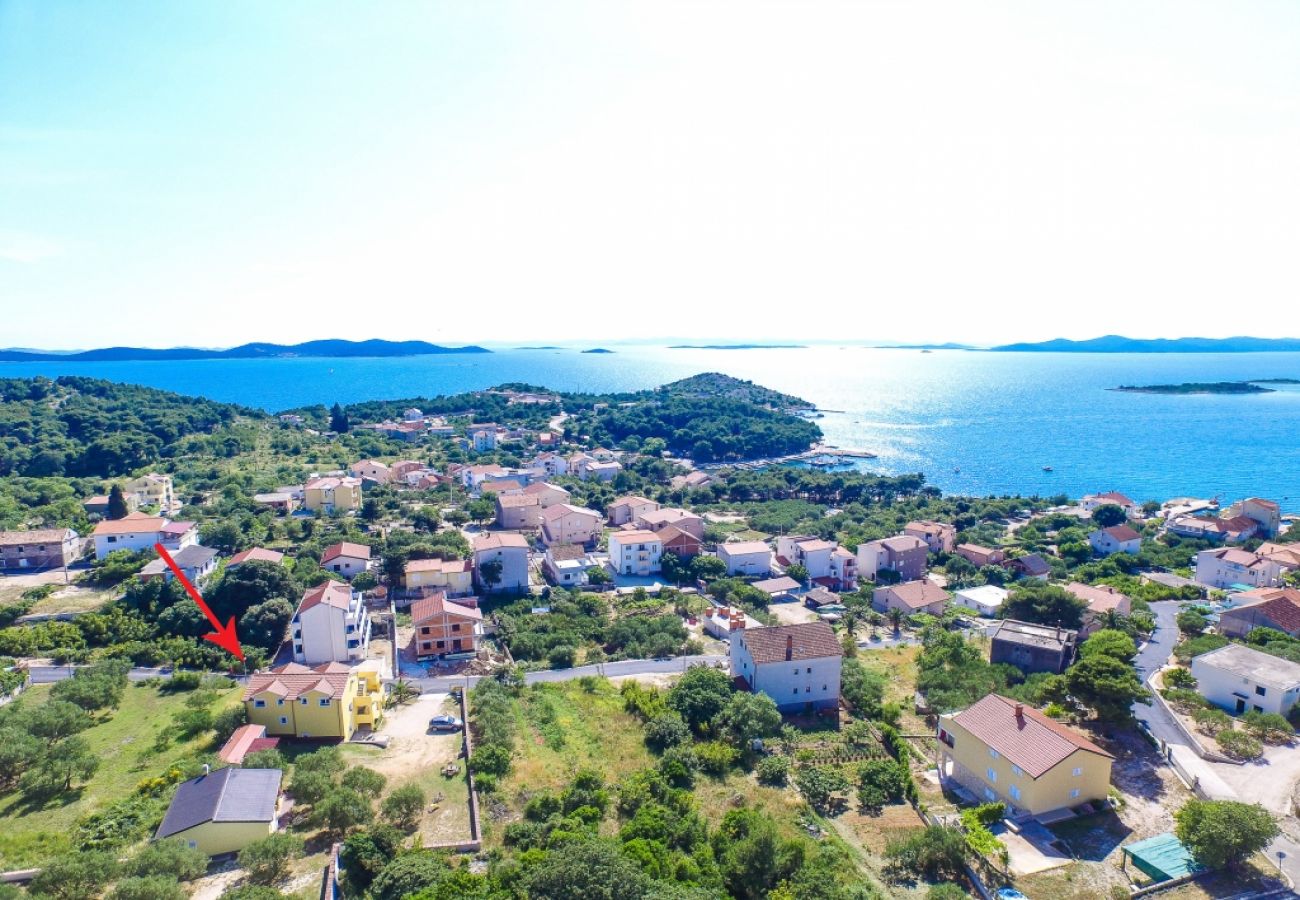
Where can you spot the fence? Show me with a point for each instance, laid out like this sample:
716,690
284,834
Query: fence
475,843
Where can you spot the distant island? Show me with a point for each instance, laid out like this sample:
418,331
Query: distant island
323,348
597,350
547,347
1208,387
738,347
1114,343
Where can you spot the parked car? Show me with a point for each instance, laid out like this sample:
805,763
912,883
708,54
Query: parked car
1009,893
445,723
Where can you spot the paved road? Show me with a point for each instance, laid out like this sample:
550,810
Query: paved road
609,669
51,674
1161,725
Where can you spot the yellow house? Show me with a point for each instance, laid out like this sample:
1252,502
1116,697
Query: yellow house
325,701
332,494
454,577
223,811
1003,750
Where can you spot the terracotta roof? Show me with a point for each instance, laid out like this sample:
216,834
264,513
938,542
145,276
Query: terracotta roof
776,585
1122,533
39,536
631,501
558,552
516,500
345,548
255,554
904,542
815,545
437,565
1238,557
666,516
499,540
499,487
332,481
917,594
1115,497
738,547
633,536
976,548
1099,597
1282,554
560,510
246,739
810,640
1030,740
292,680
541,487
926,527
668,533
1280,606
328,593
438,604
134,523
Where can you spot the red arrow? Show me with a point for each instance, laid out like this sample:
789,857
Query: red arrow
225,638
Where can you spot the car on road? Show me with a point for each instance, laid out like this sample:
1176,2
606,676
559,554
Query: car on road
445,723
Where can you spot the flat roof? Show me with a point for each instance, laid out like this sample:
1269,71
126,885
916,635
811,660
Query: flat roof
1247,662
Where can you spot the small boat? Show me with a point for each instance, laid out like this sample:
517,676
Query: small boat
1047,468
955,470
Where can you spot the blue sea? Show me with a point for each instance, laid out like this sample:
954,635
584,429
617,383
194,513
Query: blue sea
973,422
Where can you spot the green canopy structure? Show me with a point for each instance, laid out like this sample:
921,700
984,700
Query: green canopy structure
1162,858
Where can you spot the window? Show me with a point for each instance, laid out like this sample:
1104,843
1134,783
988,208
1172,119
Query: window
279,702
302,701
1016,770
324,701
989,795
112,539
284,720
259,704
1260,690
993,753
1074,794
796,690
456,627
1077,772
809,670
1014,792
991,773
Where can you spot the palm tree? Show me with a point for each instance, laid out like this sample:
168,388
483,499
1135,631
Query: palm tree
403,692
896,619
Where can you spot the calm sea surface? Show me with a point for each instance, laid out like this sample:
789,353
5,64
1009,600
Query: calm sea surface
981,423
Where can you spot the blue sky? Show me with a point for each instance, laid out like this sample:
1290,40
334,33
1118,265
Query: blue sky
214,172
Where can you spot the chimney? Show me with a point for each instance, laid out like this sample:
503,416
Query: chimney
1020,712
789,647
207,769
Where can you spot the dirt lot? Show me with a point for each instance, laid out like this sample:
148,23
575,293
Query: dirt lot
415,755
792,613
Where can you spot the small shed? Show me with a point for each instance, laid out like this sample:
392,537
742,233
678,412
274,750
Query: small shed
1161,858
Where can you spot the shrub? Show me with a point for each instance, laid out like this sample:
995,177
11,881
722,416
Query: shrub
404,806
1179,678
173,858
774,770
267,859
715,757
1183,700
1271,727
882,781
666,730
152,887
1212,721
936,853
1223,832
1240,745
364,781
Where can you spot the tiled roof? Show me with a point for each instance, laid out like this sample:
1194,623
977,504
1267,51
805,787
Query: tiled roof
255,554
810,640
736,548
245,740
1029,739
517,500
291,680
499,540
329,593
815,545
345,548
1281,607
560,510
39,536
135,523
633,536
1122,533
917,594
438,604
437,565
1099,597
226,795
902,543
776,585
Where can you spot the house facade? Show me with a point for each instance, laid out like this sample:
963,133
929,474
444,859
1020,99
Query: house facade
752,558
453,577
981,556
911,597
1277,608
1033,648
798,666
332,494
154,491
1228,566
44,548
1006,751
196,563
444,628
346,559
223,811
325,701
939,537
139,532
511,551
1241,679
984,599
635,552
905,554
1115,539
626,509
518,510
331,624
565,523
1265,513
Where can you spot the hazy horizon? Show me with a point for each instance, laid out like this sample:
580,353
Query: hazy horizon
210,173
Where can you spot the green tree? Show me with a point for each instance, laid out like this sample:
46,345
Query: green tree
76,876
1046,604
341,810
1224,832
1109,515
117,505
707,568
404,806
365,854
490,572
1107,642
747,717
69,760
820,785
364,781
587,869
172,858
1105,684
1191,623
937,853
408,874
798,572
699,695
752,857
152,887
267,859
339,420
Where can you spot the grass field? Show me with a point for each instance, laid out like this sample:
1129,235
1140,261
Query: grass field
124,743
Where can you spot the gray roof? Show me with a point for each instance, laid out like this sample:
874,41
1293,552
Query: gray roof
1247,662
1029,634
226,795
